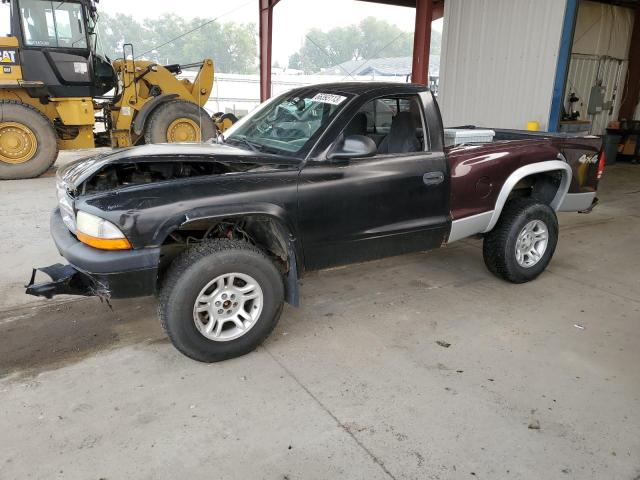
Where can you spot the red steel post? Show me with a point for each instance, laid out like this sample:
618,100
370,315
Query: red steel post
422,42
265,32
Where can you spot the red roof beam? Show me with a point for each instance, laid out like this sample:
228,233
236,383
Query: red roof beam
437,12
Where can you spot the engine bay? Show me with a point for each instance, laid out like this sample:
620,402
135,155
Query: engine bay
118,175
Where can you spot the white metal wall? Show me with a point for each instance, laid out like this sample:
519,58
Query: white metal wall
584,73
499,61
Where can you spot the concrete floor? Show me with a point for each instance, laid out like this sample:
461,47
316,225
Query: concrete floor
350,385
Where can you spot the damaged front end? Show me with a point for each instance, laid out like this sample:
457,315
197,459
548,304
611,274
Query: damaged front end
114,211
93,272
65,280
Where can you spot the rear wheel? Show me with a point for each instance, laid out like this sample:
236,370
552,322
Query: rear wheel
28,142
179,121
220,300
523,241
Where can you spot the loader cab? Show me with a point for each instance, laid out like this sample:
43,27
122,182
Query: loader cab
57,48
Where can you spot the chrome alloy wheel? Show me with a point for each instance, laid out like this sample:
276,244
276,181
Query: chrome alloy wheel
228,307
531,243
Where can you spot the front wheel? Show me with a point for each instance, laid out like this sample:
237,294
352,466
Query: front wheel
523,241
220,300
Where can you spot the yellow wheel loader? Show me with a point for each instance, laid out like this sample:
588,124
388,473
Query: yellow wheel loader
54,86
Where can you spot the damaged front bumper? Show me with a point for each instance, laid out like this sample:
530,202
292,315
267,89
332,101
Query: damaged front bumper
93,272
66,280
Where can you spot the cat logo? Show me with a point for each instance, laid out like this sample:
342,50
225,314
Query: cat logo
8,57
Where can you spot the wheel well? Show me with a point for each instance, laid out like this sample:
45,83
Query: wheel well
147,109
542,187
547,182
264,231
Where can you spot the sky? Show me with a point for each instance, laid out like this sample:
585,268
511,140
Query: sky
292,18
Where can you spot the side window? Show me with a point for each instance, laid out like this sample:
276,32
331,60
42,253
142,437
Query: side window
394,123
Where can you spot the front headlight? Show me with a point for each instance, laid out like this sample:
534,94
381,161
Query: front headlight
66,208
99,233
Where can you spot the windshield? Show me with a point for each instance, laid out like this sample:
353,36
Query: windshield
287,124
53,24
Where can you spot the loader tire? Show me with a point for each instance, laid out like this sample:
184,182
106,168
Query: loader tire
179,121
226,121
28,142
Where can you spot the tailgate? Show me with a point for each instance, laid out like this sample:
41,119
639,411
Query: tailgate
586,160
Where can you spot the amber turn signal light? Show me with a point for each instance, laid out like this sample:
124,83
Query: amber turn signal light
104,243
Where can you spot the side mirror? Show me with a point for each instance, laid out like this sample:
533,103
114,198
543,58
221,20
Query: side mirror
352,146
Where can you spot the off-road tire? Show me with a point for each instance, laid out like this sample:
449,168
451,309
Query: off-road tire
191,271
500,243
42,128
160,119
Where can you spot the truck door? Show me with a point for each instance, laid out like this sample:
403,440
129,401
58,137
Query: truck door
394,202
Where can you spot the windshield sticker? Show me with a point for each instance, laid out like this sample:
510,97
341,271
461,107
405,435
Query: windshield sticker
329,98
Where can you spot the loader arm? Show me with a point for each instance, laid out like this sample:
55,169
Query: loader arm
202,85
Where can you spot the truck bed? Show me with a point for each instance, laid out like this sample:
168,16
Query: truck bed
477,168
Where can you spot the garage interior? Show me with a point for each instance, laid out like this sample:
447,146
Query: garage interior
419,366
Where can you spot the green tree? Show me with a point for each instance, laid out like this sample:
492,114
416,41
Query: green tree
164,29
232,46
379,38
115,31
295,61
371,38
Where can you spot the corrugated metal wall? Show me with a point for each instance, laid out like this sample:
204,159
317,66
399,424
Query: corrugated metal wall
584,73
499,61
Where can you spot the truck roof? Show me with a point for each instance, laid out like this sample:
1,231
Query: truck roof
358,88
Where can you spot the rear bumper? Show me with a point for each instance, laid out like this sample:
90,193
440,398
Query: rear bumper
108,274
578,202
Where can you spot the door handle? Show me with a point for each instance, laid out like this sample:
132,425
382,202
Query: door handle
433,178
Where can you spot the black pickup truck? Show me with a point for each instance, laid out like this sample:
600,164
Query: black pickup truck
320,176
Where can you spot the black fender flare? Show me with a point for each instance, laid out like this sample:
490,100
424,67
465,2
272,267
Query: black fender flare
147,108
274,212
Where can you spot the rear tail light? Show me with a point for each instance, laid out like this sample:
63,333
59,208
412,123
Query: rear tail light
602,161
